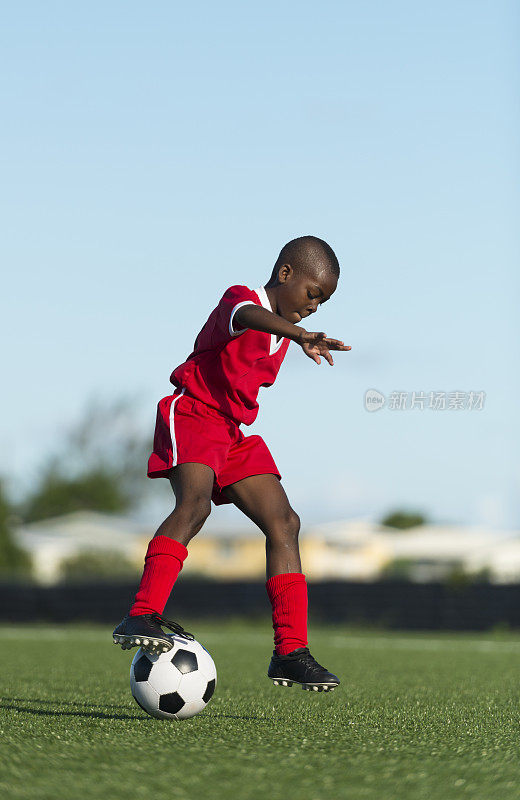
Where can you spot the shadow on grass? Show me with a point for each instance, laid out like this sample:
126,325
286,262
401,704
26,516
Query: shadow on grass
16,704
8,703
54,702
220,715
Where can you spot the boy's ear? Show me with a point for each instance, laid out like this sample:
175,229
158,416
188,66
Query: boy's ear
284,273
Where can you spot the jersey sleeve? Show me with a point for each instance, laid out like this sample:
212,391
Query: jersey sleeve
234,298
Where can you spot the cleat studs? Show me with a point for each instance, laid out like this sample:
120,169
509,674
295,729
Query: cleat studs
114,640
145,642
276,683
314,688
137,641
155,642
284,683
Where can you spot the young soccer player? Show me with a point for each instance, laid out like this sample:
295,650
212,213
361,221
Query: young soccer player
199,447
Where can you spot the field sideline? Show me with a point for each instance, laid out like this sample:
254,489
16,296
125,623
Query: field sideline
417,716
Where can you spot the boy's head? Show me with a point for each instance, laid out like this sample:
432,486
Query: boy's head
305,275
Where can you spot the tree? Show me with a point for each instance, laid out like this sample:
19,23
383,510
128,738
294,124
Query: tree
99,466
96,490
13,559
398,569
403,520
97,564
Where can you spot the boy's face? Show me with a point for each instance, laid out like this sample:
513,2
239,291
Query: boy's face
299,295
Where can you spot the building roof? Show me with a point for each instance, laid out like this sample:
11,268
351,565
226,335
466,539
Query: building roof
89,528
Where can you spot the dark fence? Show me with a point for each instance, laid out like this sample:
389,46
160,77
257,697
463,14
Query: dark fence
392,604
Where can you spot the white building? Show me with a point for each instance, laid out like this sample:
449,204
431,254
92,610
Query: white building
51,541
355,549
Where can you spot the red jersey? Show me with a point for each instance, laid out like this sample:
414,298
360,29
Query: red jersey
228,366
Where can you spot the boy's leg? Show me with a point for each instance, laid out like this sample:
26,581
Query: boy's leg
192,484
263,499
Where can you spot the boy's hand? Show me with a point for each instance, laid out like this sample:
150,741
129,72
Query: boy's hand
315,345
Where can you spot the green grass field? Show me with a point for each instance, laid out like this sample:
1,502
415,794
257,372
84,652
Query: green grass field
416,716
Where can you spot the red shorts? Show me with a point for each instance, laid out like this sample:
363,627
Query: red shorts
188,430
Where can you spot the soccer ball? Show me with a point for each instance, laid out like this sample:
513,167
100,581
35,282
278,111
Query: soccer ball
173,685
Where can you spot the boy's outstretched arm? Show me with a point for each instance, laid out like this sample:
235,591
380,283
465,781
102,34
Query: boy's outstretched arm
313,344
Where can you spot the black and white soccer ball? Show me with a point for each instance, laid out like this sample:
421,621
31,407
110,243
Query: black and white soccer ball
173,685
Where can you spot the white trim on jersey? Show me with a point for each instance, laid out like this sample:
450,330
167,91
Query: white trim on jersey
264,299
235,309
172,429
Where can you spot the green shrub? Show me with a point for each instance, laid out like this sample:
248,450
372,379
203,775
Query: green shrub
97,564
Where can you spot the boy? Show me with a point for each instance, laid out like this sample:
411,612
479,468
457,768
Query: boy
199,446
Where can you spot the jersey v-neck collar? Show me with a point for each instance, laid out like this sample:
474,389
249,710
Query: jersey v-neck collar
264,299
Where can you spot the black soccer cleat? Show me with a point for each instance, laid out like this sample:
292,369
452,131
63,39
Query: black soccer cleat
300,667
145,631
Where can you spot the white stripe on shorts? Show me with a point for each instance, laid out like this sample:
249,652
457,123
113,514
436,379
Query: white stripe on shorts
172,429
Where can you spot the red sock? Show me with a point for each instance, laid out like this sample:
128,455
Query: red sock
288,596
162,564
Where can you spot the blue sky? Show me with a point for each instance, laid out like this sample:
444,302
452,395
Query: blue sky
153,156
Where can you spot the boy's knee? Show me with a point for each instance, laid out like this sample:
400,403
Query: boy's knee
194,512
294,524
286,527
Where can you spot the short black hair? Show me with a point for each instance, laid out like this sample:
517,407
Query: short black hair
307,254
